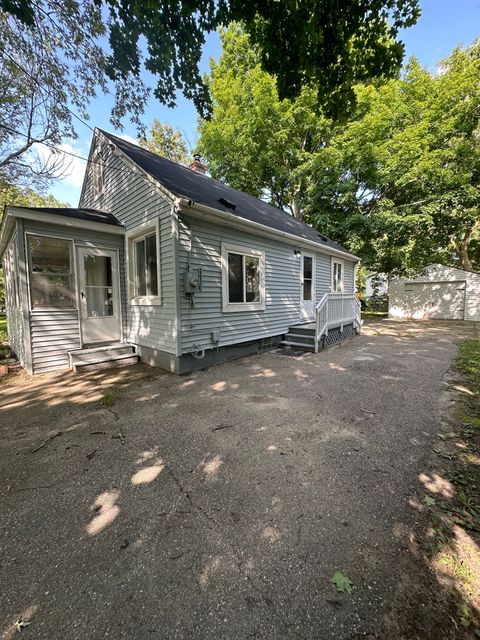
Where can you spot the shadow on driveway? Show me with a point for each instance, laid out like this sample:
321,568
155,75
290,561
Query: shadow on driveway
136,504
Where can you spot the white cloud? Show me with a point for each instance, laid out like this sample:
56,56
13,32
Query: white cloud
128,138
73,169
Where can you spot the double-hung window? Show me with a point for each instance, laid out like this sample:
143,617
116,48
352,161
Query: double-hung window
243,276
50,272
144,264
337,275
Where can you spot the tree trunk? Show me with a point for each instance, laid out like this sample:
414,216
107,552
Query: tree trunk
461,248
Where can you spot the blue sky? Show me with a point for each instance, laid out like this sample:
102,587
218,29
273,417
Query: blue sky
443,25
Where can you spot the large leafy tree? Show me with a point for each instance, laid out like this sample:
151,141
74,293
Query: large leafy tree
324,44
29,116
398,183
254,140
167,141
402,180
58,55
52,63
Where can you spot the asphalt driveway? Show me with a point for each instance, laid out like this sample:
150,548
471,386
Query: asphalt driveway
135,504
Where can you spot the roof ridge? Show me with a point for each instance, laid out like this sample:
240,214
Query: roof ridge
198,173
181,181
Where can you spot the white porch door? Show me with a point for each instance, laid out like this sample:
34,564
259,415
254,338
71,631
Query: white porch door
99,295
307,302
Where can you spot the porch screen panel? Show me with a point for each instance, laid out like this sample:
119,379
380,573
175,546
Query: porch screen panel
51,272
98,286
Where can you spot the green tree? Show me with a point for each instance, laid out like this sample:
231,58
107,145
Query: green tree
398,184
327,45
401,181
167,141
254,141
25,197
51,63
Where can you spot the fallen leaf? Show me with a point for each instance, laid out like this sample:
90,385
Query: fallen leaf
21,624
342,583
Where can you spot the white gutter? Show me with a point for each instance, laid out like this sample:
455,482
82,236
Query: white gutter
202,210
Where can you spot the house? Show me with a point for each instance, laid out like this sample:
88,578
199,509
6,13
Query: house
161,262
438,292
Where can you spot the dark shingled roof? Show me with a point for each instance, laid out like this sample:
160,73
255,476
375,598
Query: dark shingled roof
192,185
92,215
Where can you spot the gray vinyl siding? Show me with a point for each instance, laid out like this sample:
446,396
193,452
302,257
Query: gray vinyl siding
282,286
134,200
14,313
472,297
53,335
349,276
54,332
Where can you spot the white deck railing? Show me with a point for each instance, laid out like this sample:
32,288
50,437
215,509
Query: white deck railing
336,309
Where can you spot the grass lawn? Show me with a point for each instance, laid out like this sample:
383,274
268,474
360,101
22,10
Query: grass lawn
3,324
374,315
468,362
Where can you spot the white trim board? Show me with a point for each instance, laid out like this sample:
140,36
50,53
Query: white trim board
208,213
65,221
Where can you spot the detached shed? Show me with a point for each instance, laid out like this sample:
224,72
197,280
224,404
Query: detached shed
438,292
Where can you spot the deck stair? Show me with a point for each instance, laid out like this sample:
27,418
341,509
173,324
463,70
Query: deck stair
338,316
118,354
300,336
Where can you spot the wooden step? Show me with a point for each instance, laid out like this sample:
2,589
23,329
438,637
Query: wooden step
299,345
300,337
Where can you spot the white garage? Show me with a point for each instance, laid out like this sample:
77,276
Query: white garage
437,293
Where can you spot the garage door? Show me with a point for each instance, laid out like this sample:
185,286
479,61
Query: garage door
436,300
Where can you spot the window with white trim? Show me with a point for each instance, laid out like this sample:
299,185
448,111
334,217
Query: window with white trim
243,275
337,276
143,247
50,272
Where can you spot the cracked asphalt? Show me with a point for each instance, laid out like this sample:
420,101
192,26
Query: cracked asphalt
135,504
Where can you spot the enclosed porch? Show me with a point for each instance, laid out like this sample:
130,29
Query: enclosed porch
65,307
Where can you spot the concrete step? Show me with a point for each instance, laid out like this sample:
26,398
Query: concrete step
118,361
99,357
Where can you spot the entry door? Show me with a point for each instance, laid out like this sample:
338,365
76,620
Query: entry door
99,295
307,311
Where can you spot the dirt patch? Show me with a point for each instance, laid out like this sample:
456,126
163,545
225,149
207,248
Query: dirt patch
138,504
438,594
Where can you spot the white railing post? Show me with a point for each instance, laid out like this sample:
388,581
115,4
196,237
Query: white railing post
336,309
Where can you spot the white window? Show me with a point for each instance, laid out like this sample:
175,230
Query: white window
337,275
50,272
143,256
243,276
